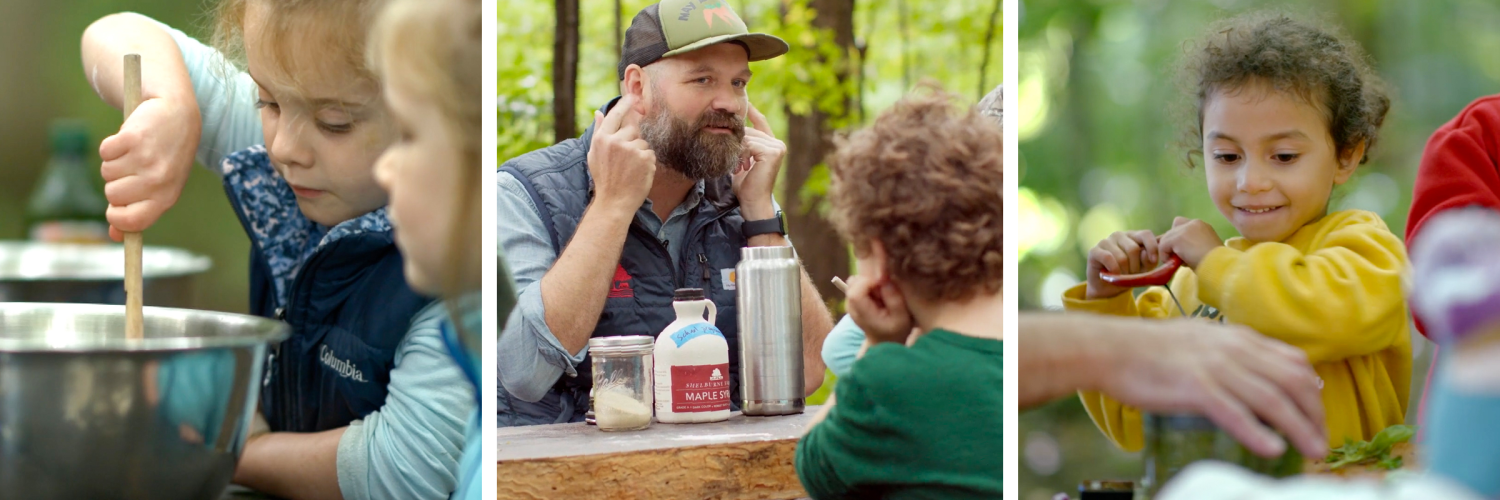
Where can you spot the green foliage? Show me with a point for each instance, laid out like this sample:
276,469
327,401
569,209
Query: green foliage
1375,450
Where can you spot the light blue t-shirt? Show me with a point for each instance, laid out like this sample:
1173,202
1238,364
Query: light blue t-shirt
410,448
841,347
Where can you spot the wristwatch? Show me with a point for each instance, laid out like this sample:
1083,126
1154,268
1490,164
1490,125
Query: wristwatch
758,227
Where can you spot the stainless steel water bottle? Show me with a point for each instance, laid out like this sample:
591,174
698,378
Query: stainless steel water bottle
768,282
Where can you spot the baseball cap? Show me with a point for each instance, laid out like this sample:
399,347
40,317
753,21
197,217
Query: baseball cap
672,27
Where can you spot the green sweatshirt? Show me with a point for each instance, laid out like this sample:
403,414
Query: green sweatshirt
917,422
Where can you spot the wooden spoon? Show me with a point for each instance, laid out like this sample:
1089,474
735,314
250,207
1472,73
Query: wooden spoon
134,319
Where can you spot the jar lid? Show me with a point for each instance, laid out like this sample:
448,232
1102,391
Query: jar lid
621,344
688,294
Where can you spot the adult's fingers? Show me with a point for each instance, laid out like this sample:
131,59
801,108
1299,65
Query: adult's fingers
1233,417
1275,406
1292,376
758,121
616,115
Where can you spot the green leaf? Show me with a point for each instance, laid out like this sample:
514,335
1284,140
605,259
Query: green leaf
1390,463
1389,436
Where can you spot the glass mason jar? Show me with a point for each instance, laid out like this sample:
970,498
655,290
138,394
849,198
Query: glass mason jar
623,394
1175,441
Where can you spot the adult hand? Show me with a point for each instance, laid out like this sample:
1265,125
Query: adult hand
1191,239
879,309
1231,374
146,164
622,164
760,161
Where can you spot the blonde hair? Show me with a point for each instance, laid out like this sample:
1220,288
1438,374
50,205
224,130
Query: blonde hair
339,26
432,48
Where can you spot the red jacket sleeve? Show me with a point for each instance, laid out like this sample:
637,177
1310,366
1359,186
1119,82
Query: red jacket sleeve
1459,167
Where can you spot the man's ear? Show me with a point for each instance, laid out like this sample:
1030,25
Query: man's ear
1349,163
635,83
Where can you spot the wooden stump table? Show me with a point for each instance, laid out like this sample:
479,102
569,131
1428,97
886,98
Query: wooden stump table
740,458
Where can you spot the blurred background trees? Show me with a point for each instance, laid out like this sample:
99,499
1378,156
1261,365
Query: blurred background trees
42,79
850,59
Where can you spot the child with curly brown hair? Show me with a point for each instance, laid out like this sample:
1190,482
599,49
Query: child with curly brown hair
918,195
1286,111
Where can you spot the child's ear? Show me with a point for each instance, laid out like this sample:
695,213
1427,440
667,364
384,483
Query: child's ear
1349,163
873,263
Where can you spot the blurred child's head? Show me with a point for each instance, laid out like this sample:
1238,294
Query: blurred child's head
918,194
429,52
1285,112
320,105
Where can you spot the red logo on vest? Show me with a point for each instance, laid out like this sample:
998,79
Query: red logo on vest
621,288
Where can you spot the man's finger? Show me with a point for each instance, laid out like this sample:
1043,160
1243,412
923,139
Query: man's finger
758,121
1295,378
616,114
632,119
1236,420
1275,406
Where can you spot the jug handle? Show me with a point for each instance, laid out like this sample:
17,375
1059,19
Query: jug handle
713,313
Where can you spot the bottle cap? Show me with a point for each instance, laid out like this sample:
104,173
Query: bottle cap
69,136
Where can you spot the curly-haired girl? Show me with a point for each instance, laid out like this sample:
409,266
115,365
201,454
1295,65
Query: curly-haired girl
1286,111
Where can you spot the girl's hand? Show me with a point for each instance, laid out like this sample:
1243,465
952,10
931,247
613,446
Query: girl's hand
1124,252
147,163
1191,239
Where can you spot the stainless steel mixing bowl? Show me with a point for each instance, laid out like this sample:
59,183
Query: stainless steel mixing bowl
95,274
86,413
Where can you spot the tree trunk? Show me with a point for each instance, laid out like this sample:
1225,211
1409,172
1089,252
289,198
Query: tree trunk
619,30
989,37
902,18
809,140
565,71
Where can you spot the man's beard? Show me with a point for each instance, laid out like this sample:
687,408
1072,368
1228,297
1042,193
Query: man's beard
688,148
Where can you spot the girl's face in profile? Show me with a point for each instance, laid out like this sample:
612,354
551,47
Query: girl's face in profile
421,173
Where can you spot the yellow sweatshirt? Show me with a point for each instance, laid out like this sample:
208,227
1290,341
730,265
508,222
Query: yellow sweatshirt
1332,289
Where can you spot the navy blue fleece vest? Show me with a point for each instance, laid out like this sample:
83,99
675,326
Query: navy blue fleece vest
348,308
640,299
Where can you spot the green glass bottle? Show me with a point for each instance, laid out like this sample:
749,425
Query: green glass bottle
67,205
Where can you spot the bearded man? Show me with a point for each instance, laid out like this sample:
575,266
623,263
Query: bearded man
661,192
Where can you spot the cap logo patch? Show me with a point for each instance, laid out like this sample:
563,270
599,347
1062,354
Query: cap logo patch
717,8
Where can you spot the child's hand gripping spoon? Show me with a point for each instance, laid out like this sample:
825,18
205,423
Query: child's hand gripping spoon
1161,276
134,320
